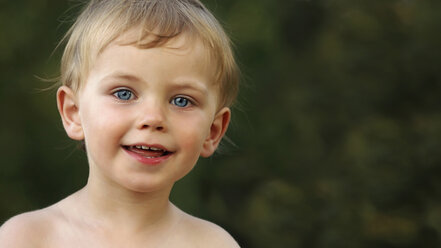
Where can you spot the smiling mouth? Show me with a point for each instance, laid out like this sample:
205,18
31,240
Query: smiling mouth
147,151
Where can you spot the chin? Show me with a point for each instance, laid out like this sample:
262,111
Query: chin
147,187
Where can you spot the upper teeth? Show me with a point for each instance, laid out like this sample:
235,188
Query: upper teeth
148,148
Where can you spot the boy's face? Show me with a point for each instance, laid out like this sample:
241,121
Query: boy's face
146,115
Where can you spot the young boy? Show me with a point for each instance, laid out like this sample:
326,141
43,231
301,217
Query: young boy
147,85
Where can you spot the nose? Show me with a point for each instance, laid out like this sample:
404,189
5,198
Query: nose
151,116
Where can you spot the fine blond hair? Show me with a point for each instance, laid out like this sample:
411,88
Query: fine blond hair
102,21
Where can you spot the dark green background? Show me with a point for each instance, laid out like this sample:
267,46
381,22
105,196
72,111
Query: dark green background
338,130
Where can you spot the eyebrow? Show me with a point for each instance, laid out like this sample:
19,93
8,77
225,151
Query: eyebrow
121,75
194,85
178,84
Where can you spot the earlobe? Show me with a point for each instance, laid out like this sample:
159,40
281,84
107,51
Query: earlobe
69,112
217,131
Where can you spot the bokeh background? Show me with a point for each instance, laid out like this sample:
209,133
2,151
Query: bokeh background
337,132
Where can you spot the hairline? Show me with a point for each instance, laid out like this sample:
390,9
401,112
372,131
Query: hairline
95,29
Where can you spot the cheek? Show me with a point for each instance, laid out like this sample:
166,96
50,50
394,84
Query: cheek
193,132
102,125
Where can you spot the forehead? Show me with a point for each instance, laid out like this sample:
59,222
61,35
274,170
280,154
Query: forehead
184,47
181,56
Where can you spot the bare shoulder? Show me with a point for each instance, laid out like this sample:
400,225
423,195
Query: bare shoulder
207,234
27,229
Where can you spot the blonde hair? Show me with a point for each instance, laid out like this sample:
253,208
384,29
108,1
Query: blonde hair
102,21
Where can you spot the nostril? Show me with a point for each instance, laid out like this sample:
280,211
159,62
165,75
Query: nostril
159,128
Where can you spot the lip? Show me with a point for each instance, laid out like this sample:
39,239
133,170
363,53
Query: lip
155,161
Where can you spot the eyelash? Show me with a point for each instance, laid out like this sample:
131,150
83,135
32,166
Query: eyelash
116,93
189,102
119,97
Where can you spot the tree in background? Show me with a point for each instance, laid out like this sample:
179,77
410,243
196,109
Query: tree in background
337,129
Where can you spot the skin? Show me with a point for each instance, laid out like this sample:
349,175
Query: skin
126,202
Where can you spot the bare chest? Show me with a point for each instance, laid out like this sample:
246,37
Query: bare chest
74,238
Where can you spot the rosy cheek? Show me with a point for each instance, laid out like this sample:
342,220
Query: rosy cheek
100,121
187,137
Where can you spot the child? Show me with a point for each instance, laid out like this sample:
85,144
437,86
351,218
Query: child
146,84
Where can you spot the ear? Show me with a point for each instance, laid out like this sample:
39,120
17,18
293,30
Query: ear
217,131
69,112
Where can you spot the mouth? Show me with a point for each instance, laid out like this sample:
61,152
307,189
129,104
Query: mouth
149,152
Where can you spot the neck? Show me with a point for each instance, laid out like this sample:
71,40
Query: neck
115,206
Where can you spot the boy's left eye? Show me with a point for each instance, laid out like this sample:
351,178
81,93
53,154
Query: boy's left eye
124,94
180,101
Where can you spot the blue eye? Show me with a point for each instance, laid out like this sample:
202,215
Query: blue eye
124,95
180,102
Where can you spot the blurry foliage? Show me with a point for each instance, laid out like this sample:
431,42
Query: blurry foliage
338,125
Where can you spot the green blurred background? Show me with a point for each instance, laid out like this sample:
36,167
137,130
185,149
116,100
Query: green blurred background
337,133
